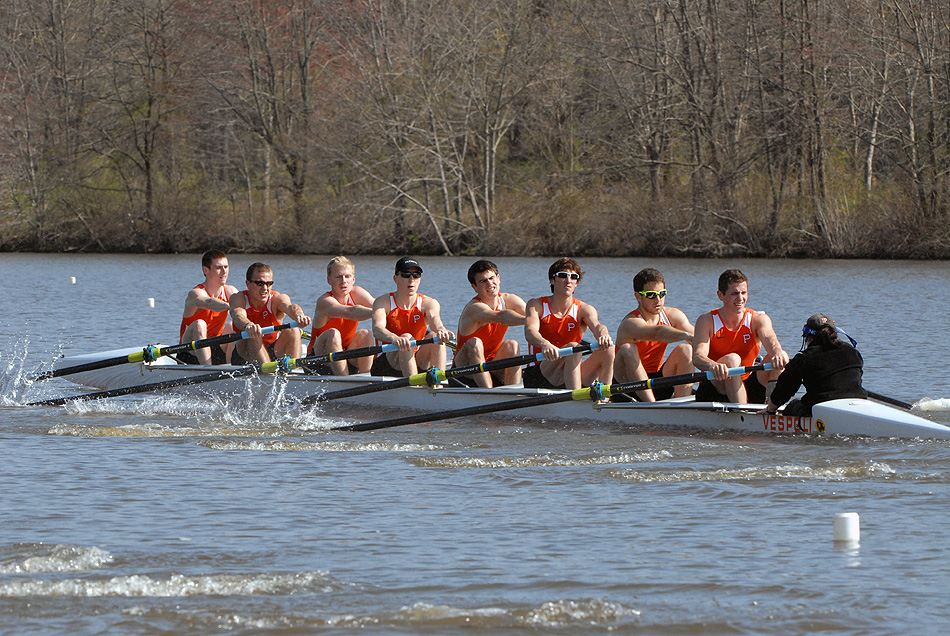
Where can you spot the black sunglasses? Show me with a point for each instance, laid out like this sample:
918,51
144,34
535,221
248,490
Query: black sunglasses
412,274
263,283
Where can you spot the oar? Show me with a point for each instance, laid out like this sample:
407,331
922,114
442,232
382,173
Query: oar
284,364
336,356
153,386
889,400
150,354
554,398
435,376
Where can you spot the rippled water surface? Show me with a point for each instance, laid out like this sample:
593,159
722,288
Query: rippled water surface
165,514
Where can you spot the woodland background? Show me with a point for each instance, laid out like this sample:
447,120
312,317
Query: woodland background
592,127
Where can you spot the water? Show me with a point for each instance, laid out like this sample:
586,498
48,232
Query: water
172,515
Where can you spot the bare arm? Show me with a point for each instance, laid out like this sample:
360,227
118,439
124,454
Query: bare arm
588,316
198,298
762,328
701,337
431,309
476,313
380,332
283,305
329,306
532,330
634,329
239,315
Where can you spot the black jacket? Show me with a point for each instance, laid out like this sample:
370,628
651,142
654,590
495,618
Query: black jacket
827,374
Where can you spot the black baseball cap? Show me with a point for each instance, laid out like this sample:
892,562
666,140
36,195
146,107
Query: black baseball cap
406,263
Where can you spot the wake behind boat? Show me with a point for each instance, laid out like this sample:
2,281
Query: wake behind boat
836,417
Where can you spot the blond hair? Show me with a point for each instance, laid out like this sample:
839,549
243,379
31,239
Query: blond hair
340,261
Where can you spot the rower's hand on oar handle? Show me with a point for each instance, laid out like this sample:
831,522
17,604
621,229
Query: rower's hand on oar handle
404,343
253,330
779,360
444,336
720,371
295,311
550,351
604,341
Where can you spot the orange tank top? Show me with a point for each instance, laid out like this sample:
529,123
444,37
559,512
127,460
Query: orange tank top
345,326
491,334
265,316
651,352
741,341
559,331
214,319
411,321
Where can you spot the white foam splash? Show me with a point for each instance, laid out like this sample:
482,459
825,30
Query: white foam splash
590,611
540,461
54,558
937,404
560,613
177,585
304,445
835,473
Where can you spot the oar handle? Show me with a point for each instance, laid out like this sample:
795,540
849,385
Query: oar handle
438,375
673,380
297,363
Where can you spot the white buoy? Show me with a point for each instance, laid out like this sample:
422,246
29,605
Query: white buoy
151,302
847,527
72,280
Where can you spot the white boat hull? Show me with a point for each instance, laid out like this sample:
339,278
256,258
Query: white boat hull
837,417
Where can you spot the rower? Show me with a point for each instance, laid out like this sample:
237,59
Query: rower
644,336
336,320
828,367
732,336
206,311
261,306
560,320
483,325
404,316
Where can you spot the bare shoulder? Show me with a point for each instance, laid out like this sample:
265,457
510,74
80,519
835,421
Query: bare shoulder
704,323
197,292
629,326
362,297
761,320
586,308
513,301
430,303
326,301
676,315
237,300
473,305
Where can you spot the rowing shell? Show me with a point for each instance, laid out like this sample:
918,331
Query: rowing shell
836,417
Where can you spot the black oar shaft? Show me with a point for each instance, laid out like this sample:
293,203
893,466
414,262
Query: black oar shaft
336,356
889,400
539,400
144,388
